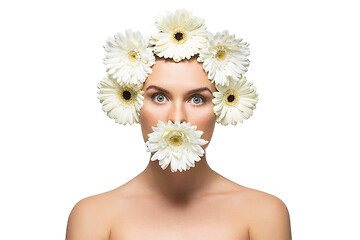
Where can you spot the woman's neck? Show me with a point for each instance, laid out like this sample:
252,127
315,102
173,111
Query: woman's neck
179,186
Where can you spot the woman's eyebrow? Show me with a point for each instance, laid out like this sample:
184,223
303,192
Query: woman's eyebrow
191,91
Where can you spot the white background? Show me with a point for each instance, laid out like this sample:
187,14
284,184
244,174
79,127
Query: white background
58,146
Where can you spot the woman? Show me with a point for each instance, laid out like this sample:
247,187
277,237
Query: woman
196,203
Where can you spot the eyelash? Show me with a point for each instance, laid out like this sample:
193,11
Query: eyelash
196,95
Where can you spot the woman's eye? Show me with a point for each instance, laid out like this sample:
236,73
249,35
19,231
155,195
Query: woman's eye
197,100
159,97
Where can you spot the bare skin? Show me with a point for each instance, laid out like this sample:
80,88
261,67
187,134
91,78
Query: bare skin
194,204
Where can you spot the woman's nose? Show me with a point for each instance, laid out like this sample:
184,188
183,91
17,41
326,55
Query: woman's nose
177,111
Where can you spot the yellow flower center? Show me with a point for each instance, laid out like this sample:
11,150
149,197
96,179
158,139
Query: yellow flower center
231,97
126,95
220,55
179,36
175,138
133,55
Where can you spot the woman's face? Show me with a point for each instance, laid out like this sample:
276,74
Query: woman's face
178,91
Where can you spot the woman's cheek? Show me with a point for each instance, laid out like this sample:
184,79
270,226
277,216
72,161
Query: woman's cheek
209,125
204,119
146,120
149,116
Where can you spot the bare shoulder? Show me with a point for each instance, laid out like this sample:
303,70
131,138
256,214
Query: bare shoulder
267,215
90,218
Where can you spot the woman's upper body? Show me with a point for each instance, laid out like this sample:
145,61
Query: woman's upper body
225,211
195,204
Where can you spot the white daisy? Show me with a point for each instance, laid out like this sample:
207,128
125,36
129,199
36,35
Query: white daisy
235,102
121,102
178,144
128,58
180,35
225,57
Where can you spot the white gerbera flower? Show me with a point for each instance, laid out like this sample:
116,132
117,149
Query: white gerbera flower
225,57
178,144
235,102
121,102
128,58
181,35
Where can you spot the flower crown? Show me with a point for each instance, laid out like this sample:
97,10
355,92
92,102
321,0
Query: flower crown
181,35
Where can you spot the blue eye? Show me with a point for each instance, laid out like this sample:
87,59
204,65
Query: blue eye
159,97
197,100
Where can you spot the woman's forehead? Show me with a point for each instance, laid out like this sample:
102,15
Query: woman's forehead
184,74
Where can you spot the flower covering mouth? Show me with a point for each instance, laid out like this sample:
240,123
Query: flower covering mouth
176,144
